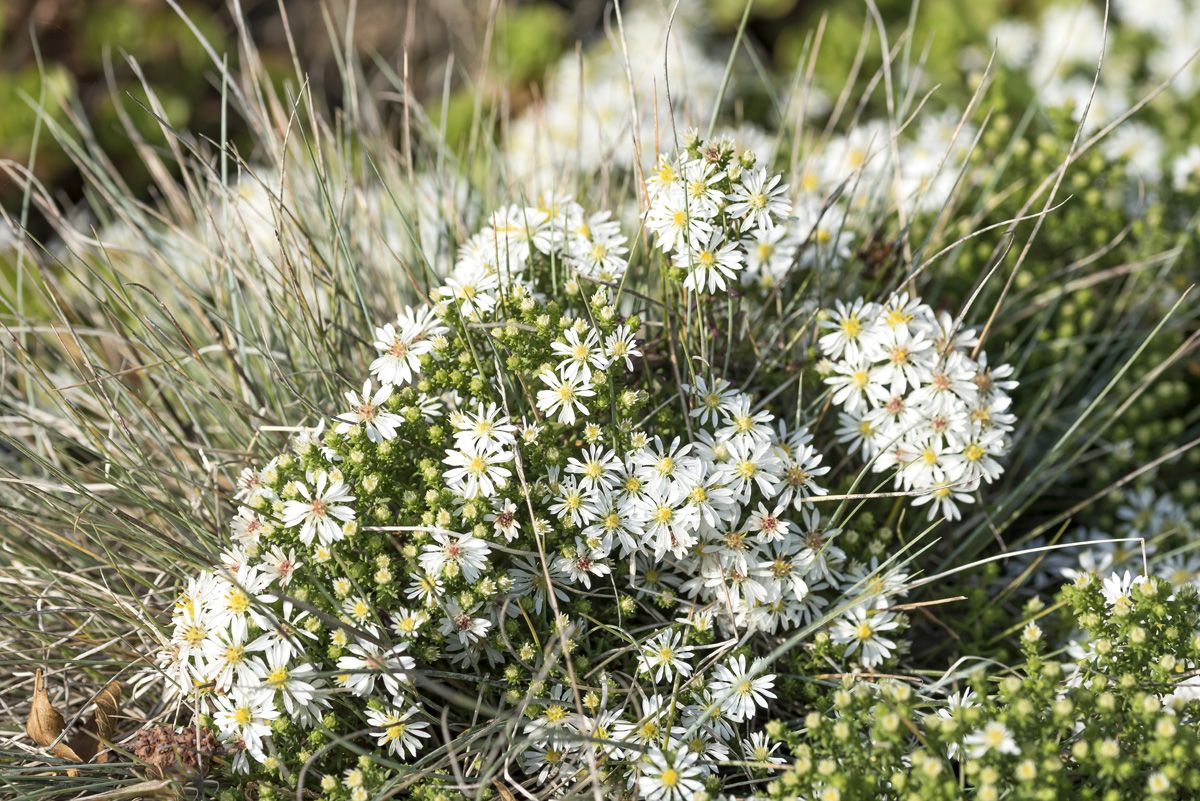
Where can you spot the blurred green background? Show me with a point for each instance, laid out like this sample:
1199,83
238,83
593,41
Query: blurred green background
73,56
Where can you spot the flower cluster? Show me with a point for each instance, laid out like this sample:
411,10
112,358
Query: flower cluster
914,399
717,215
557,229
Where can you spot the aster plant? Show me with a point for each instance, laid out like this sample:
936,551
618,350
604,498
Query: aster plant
531,503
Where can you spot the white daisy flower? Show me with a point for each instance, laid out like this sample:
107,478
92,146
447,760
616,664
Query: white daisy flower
700,179
574,503
580,356
675,777
563,395
741,691
408,622
860,628
852,332
710,401
504,520
298,685
768,525
462,625
401,345
467,554
667,519
368,662
598,467
245,716
664,656
477,472
253,484
368,412
1117,590
708,262
485,428
322,510
675,224
397,730
583,562
759,747
758,200
994,736
752,465
621,346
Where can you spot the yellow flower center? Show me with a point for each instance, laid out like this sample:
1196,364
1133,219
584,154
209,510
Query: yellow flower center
237,601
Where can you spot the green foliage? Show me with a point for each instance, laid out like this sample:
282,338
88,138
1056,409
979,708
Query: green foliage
1106,727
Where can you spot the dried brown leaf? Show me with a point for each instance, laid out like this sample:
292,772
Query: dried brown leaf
88,741
45,723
